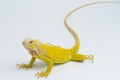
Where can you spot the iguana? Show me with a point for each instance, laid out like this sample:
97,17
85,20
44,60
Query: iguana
52,54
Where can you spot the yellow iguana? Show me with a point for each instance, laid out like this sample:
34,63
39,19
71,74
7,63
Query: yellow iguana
52,54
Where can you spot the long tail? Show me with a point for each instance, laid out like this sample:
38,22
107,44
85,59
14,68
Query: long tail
75,48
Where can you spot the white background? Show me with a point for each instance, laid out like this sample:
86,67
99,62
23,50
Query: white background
98,27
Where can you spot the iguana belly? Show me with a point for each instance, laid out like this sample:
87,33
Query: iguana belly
60,57
58,54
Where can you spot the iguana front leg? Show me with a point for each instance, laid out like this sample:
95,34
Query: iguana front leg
27,65
49,68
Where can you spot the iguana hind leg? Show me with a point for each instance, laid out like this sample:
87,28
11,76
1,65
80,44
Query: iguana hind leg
82,57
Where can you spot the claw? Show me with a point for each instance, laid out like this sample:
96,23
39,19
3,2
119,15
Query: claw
42,74
90,57
18,65
23,66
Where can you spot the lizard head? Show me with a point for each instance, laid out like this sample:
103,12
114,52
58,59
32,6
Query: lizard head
31,44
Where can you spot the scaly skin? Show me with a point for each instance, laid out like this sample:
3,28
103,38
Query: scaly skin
52,54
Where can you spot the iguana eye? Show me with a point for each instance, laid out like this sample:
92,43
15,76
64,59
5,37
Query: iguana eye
31,42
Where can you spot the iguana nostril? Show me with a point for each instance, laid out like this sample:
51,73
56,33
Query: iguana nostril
23,43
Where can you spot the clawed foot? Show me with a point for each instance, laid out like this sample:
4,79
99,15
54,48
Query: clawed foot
23,66
90,57
39,75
